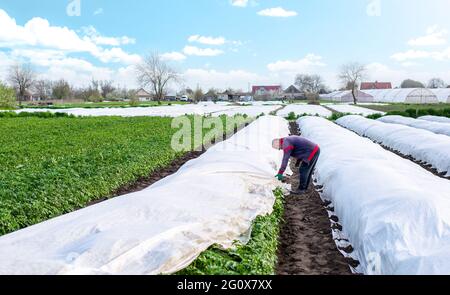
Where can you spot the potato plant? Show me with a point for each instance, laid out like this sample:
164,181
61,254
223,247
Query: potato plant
52,166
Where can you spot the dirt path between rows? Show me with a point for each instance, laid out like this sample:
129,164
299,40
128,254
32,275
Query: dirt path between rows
306,242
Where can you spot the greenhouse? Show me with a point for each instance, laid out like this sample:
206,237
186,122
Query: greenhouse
346,96
443,94
405,95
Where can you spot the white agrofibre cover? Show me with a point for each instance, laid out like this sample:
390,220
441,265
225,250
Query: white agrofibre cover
352,109
301,109
422,145
396,214
166,111
436,119
438,128
162,229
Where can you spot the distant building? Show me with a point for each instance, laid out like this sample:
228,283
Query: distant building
376,85
143,95
267,91
229,95
292,92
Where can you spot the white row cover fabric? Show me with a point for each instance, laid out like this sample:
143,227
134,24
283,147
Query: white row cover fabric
162,229
438,128
165,111
422,145
301,109
352,109
395,213
251,111
436,119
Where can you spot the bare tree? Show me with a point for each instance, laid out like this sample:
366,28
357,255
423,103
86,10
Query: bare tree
106,88
61,90
436,83
351,75
198,94
309,83
156,74
21,78
43,89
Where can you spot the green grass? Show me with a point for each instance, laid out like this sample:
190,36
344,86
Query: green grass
52,166
258,257
119,104
413,111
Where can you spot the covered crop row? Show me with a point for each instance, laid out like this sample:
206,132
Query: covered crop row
303,109
395,214
355,110
162,229
422,145
436,119
166,111
438,128
53,166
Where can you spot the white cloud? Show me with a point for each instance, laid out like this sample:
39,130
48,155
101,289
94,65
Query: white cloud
117,55
277,12
208,78
173,56
98,11
381,72
422,54
93,35
39,33
239,3
435,36
207,40
192,50
308,63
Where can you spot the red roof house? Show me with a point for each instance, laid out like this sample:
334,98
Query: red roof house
376,85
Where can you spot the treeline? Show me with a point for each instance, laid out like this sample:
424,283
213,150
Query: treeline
97,91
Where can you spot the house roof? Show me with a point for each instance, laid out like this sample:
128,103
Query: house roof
292,89
376,85
266,88
143,92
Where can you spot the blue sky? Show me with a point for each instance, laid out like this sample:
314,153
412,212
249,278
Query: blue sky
227,43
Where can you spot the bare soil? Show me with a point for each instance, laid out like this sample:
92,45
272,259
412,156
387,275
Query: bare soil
306,242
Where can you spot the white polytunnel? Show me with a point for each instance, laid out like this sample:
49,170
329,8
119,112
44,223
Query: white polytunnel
443,94
346,96
404,95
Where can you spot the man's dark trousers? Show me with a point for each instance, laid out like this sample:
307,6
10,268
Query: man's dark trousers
306,171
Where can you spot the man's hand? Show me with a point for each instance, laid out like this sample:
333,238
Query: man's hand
280,177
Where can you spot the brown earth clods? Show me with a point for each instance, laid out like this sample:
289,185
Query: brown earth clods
306,242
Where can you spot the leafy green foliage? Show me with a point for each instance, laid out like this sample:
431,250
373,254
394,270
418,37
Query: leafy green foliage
7,97
258,257
416,113
374,116
53,166
336,116
292,116
44,115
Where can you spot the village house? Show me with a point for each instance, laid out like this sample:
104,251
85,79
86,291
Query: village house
143,95
267,92
292,92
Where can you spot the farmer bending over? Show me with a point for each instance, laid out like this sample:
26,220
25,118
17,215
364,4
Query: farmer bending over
304,151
